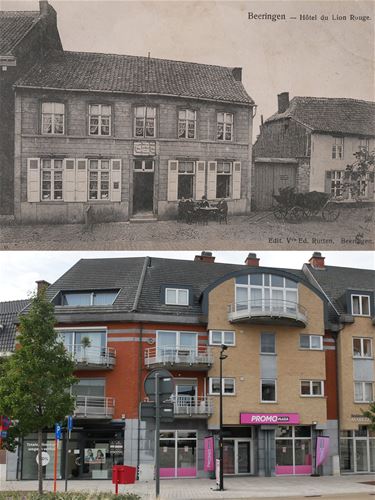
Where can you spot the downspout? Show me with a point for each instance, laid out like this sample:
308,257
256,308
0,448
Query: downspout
335,336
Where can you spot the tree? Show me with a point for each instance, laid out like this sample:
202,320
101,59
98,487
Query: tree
35,381
370,414
359,173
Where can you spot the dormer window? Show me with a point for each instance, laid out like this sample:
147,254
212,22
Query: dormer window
177,296
89,298
360,305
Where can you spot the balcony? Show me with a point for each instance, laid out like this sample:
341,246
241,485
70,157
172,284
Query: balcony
93,407
194,407
184,358
268,312
92,358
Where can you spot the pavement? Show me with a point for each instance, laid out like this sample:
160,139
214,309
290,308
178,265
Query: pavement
347,487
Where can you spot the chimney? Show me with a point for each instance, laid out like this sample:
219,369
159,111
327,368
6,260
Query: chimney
237,74
43,7
252,260
41,286
205,257
317,261
282,102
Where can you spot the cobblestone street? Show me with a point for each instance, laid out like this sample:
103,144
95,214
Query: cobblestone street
354,230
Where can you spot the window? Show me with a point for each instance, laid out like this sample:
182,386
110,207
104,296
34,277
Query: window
187,124
361,305
268,391
362,348
144,121
99,179
186,171
219,337
177,296
168,341
223,180
363,392
267,343
53,117
313,342
99,119
89,298
338,148
89,387
144,165
225,126
312,388
228,386
336,185
52,179
364,144
93,351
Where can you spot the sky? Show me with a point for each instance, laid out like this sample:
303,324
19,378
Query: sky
331,58
20,270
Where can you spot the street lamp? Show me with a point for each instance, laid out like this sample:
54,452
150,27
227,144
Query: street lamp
222,356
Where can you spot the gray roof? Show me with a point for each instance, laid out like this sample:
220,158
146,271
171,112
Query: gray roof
88,71
331,115
9,312
336,280
14,25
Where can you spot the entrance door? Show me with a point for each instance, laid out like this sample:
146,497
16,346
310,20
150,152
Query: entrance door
237,456
269,179
178,454
143,186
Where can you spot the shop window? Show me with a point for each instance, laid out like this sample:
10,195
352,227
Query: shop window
312,388
144,121
225,126
178,453
187,119
228,386
177,296
293,450
268,391
363,392
51,179
100,119
360,305
362,348
267,343
313,342
219,337
53,117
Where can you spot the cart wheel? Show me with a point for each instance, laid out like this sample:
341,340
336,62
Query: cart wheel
330,213
280,213
296,214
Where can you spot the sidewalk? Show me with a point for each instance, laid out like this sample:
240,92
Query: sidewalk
235,488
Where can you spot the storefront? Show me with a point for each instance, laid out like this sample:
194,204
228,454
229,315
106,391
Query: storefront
238,452
178,453
92,452
357,450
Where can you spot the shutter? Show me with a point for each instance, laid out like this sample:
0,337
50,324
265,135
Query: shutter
33,179
236,194
200,176
172,180
69,184
115,180
81,180
327,182
211,180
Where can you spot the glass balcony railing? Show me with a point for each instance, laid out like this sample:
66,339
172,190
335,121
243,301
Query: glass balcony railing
274,310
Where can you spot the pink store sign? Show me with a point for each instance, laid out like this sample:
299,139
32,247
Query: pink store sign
269,418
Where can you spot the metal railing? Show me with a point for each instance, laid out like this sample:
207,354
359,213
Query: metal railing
267,307
190,405
94,407
103,356
201,355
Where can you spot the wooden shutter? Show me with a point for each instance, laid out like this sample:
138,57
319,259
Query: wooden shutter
236,195
81,180
116,180
200,177
172,180
211,180
69,176
327,183
33,179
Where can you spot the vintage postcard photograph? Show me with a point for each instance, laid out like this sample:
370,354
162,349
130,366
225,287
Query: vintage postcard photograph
186,125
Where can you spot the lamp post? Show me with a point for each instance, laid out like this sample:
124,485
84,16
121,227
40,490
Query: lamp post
222,357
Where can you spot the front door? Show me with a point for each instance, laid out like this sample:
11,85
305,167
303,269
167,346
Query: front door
143,186
237,456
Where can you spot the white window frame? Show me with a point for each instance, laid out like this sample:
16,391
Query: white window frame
363,384
53,115
144,118
338,148
222,332
364,144
311,395
261,386
225,123
52,169
226,174
177,290
210,380
192,174
362,353
100,172
99,116
143,163
177,337
361,296
336,183
311,348
186,121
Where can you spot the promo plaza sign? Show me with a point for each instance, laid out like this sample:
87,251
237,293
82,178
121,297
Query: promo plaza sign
269,418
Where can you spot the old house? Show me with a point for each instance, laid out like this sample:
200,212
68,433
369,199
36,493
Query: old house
308,143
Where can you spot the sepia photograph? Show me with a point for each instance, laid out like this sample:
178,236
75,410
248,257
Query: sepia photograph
187,125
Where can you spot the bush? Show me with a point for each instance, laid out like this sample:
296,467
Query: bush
74,495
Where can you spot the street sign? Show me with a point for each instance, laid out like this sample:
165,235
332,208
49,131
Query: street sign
70,423
3,434
166,413
4,423
166,384
58,433
45,458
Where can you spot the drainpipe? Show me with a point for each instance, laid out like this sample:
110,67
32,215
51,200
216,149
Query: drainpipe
335,337
140,359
